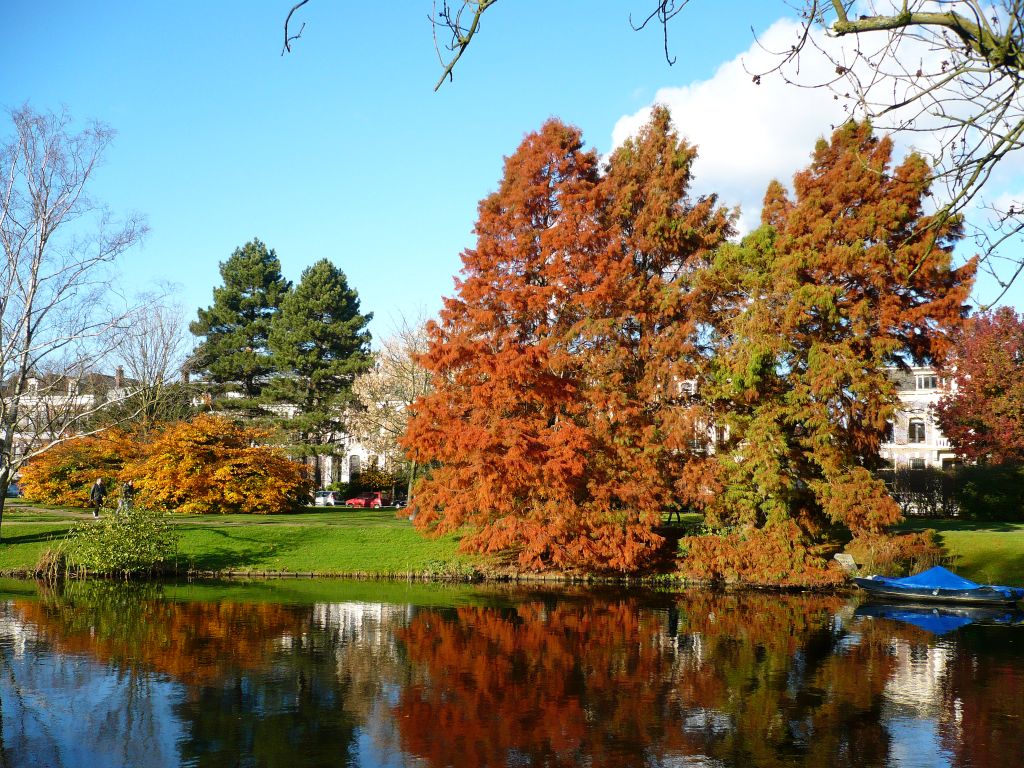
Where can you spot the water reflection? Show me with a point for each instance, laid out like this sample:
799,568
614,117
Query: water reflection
102,674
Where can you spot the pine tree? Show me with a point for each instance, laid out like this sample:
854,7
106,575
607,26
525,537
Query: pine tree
320,343
234,354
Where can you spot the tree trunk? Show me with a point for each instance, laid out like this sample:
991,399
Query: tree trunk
5,482
412,479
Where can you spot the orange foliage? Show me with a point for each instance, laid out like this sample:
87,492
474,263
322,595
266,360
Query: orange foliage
777,555
193,642
984,418
211,464
899,554
64,473
708,677
557,422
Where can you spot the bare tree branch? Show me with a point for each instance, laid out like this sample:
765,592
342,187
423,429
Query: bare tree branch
461,34
288,37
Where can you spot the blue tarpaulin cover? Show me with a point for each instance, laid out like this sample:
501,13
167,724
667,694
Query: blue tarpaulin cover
939,620
937,578
931,620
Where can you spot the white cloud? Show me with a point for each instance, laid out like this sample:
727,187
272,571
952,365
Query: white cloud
748,134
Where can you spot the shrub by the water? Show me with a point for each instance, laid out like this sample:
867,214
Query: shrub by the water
774,556
131,541
898,555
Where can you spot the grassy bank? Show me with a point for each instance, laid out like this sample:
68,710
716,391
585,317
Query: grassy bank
322,541
990,553
335,542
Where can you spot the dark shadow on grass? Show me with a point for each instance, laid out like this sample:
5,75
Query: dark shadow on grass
947,524
35,538
225,558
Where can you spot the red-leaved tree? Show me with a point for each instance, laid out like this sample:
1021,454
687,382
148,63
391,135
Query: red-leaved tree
984,417
551,430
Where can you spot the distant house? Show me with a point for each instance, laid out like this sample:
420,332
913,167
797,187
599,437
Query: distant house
914,439
52,405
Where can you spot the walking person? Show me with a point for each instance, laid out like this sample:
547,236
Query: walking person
127,495
96,495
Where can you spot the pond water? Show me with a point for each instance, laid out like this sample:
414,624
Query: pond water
315,673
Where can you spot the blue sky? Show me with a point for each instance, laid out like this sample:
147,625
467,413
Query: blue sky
342,150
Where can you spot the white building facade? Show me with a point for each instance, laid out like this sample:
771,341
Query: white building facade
914,439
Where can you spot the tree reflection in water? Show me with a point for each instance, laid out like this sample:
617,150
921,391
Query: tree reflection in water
254,683
508,677
746,680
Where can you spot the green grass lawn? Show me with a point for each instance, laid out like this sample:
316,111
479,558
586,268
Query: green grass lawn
377,543
335,541
989,553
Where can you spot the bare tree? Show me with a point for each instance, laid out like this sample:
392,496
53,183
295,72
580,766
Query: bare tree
153,349
56,324
386,391
948,73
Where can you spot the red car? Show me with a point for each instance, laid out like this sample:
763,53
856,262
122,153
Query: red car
373,500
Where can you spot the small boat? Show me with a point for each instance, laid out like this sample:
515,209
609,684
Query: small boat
941,619
938,585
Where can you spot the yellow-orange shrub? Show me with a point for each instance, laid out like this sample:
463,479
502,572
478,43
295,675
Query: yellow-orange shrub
210,465
64,473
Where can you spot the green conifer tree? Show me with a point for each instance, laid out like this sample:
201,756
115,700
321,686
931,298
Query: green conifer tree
234,355
320,343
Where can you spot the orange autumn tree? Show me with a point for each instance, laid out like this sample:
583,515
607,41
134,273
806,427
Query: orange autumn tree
64,473
211,464
842,283
643,326
547,427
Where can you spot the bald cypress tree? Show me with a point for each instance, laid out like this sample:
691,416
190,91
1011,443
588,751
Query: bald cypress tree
553,428
847,278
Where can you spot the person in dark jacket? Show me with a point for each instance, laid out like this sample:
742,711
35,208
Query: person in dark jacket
96,495
127,495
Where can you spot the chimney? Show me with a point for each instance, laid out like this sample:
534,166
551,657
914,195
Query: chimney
119,377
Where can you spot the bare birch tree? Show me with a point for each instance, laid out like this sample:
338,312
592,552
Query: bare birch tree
385,392
153,350
56,319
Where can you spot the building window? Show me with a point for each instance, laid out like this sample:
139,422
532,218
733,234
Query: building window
917,463
915,432
355,466
928,381
887,435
